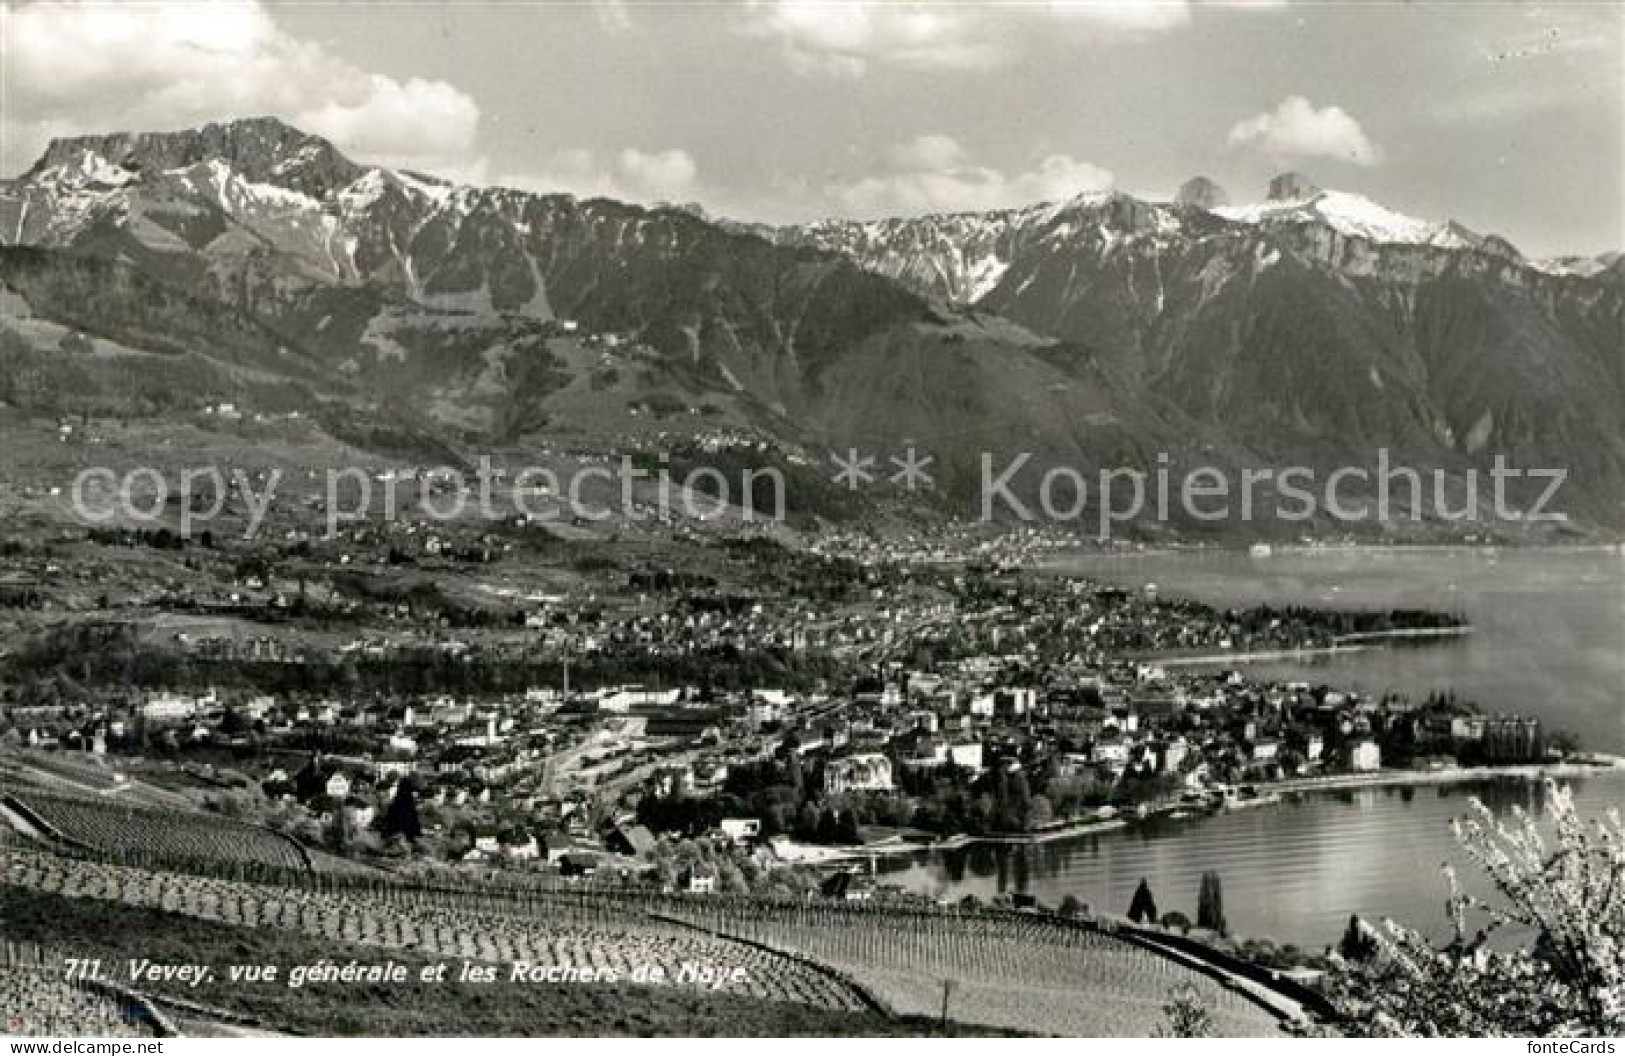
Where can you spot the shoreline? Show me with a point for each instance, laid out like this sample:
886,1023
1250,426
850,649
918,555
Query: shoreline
1596,764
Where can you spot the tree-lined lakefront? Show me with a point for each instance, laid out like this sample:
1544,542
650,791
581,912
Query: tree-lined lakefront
1292,872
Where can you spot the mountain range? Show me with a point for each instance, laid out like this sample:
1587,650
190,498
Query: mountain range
248,260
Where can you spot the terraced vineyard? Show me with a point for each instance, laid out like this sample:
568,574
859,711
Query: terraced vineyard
545,931
1004,970
150,836
37,1000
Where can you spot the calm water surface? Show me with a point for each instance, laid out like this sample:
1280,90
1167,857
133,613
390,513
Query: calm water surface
1293,871
1549,625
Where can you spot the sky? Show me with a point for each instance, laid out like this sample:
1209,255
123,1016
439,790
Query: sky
1508,117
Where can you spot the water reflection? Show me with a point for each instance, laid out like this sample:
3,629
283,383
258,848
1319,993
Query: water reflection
1293,871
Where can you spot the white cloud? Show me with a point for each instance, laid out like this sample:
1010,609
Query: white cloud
1296,129
1131,15
629,175
389,119
847,38
844,38
928,152
933,174
613,15
76,68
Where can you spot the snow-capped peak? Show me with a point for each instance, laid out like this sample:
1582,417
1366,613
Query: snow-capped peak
1356,216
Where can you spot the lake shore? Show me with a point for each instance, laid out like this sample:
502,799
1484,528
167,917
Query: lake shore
1343,646
1594,765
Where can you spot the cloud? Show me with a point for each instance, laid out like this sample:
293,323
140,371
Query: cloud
391,118
928,152
1153,16
847,38
1295,129
629,175
613,15
933,173
844,38
73,68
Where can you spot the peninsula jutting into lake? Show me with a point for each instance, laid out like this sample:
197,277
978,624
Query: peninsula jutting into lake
811,518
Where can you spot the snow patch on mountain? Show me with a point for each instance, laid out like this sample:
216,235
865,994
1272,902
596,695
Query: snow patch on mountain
1350,214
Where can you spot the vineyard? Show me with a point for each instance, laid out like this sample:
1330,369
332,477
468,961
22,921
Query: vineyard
1004,970
37,1000
160,837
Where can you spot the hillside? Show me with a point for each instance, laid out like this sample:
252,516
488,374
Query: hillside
1312,329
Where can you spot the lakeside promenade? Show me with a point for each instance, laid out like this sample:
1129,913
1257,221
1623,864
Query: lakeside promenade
1595,764
1341,646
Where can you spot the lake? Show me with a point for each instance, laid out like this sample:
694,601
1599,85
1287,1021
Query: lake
1292,872
1548,625
1548,640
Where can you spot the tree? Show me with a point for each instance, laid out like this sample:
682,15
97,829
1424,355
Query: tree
401,819
1186,1017
1569,980
1210,904
1174,920
1357,943
338,832
1142,909
1070,907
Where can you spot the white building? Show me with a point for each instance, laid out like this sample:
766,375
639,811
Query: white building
169,707
870,772
741,830
968,755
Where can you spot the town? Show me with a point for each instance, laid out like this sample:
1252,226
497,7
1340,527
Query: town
755,721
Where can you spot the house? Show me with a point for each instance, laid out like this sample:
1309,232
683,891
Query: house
576,863
168,707
487,841
698,879
1365,755
709,777
849,885
741,830
1110,751
337,787
967,755
522,846
634,840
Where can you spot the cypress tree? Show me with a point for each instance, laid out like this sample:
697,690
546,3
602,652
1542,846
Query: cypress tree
1210,904
1142,908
